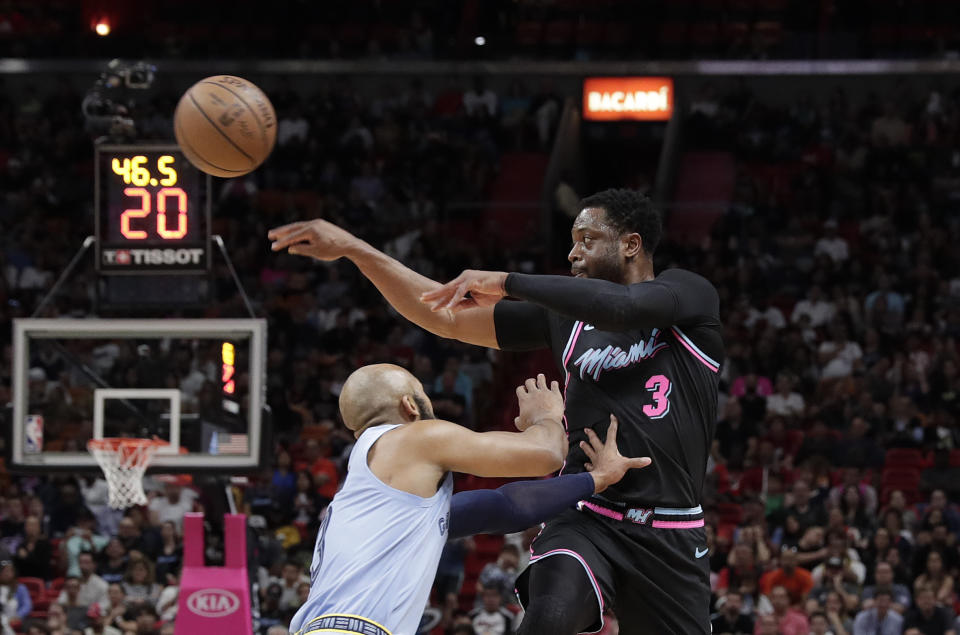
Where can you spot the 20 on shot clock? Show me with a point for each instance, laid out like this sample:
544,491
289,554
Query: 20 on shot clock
152,211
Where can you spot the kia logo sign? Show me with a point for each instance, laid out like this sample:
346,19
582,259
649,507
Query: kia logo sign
213,602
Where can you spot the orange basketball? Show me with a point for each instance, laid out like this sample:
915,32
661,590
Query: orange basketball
225,125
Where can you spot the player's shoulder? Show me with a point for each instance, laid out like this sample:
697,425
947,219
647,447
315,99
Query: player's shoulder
429,431
684,281
685,277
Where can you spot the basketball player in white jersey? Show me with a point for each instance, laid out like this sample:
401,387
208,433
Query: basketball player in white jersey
377,550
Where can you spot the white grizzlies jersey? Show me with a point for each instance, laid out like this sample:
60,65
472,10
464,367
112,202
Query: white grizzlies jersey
376,553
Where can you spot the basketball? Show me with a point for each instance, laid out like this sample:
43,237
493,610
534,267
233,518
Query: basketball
225,125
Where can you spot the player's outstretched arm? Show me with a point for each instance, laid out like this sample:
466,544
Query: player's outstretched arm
400,285
516,506
674,297
539,449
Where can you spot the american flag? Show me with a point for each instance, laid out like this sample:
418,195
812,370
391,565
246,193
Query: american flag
228,443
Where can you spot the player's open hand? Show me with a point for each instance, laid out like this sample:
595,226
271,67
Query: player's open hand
606,464
318,239
485,289
538,402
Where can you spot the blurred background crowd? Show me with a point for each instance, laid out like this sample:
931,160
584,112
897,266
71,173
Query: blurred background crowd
834,473
511,29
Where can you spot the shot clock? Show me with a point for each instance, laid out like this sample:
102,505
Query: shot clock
152,211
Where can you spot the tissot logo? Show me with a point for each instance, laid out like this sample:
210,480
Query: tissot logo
213,602
153,257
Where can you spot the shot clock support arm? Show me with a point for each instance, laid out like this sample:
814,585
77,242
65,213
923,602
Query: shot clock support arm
90,373
87,243
233,273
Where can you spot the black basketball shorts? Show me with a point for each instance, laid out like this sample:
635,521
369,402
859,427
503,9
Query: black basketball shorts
648,565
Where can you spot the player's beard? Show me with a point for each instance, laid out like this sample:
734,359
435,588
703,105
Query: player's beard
426,410
607,267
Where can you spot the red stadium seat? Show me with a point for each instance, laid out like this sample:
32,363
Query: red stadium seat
559,32
589,32
730,513
678,11
673,34
710,7
616,34
901,478
769,33
351,34
916,34
319,32
488,545
735,31
528,33
313,432
885,34
57,583
772,6
35,586
795,438
911,495
954,458
704,34
487,549
904,457
386,34
725,532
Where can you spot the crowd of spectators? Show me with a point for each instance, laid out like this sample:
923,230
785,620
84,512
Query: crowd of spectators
835,464
832,475
494,29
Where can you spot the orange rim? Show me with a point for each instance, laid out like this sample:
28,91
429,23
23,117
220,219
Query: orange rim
126,446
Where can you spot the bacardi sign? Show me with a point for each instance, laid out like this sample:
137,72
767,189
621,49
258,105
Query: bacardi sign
626,98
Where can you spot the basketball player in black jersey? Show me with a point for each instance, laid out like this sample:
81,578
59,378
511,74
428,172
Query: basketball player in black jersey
645,347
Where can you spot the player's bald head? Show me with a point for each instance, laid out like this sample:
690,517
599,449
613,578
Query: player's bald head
382,393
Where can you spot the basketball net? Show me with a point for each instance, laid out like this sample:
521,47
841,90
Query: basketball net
124,462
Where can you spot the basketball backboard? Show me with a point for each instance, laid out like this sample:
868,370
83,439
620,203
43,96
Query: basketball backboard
197,384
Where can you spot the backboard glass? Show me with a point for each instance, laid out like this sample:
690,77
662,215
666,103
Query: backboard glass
197,384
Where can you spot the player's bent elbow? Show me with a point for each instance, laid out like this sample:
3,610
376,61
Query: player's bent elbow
442,327
545,461
448,329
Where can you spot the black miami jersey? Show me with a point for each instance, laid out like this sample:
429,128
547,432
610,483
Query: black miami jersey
651,358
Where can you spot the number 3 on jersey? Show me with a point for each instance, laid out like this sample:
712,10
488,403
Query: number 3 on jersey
660,387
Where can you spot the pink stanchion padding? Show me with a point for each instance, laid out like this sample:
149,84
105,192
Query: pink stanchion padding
214,599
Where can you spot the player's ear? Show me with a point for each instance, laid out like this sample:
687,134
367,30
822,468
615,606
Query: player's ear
408,408
631,245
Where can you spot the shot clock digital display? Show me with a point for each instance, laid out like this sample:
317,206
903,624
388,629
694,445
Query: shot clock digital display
153,211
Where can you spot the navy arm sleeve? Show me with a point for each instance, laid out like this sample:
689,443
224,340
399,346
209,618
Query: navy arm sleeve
516,506
674,297
520,326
